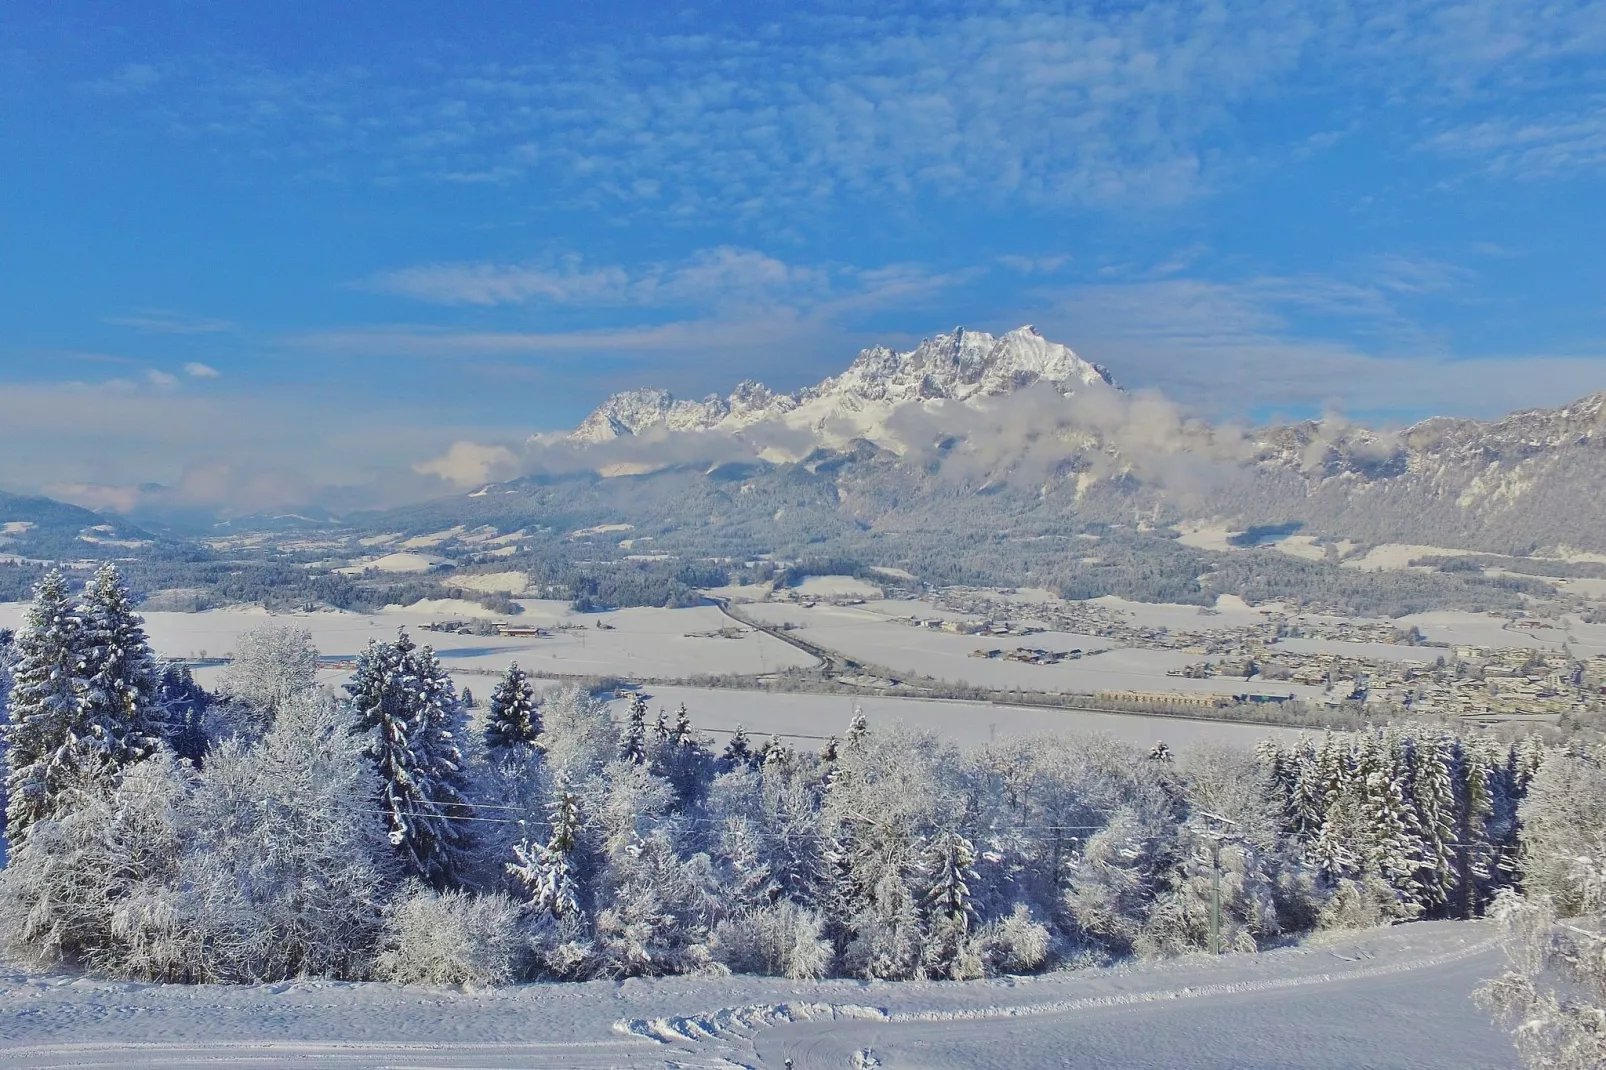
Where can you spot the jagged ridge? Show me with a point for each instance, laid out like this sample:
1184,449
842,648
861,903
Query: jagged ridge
957,366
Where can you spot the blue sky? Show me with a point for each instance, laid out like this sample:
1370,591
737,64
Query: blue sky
269,253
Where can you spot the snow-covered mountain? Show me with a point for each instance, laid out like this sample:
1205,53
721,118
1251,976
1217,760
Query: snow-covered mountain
1023,426
963,366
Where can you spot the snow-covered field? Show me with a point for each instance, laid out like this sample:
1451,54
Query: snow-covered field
808,717
627,642
1384,999
866,633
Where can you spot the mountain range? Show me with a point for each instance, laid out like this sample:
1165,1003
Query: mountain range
1021,418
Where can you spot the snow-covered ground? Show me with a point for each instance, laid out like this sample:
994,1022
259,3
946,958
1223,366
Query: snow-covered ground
806,718
627,642
866,633
1385,999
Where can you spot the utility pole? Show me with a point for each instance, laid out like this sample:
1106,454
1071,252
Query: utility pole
1217,831
1215,897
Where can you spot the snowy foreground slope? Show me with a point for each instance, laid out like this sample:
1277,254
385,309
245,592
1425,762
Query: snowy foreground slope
1380,999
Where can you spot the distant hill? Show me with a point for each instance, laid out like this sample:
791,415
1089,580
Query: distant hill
39,528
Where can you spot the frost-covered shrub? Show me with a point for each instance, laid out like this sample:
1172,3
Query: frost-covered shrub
288,861
91,886
1563,821
1181,917
271,664
655,908
1554,994
451,938
1363,902
562,948
1114,879
579,736
783,940
1014,943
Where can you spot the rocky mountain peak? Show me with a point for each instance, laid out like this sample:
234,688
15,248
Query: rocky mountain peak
959,366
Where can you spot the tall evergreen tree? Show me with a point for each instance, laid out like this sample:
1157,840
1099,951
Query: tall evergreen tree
514,718
82,703
633,737
1434,791
950,863
120,674
43,754
404,697
549,872
182,706
1392,844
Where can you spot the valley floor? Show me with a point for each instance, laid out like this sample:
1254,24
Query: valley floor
1384,999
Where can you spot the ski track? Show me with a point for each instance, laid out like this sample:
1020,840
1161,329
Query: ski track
1399,982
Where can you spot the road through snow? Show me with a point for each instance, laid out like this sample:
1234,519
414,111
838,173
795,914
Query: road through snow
1386,999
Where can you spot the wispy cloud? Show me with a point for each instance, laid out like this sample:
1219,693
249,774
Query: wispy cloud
1040,105
162,321
722,275
196,370
1538,148
722,300
1228,349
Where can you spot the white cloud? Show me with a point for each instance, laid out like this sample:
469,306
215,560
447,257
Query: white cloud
466,464
196,370
159,378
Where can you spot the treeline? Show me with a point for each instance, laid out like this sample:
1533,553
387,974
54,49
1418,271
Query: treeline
275,831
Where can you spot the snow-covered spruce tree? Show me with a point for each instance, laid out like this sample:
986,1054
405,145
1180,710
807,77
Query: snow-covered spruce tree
549,872
949,871
7,649
1478,821
1307,806
551,879
288,865
271,665
406,703
633,736
183,706
514,718
687,760
738,752
81,703
858,728
1393,845
1434,792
